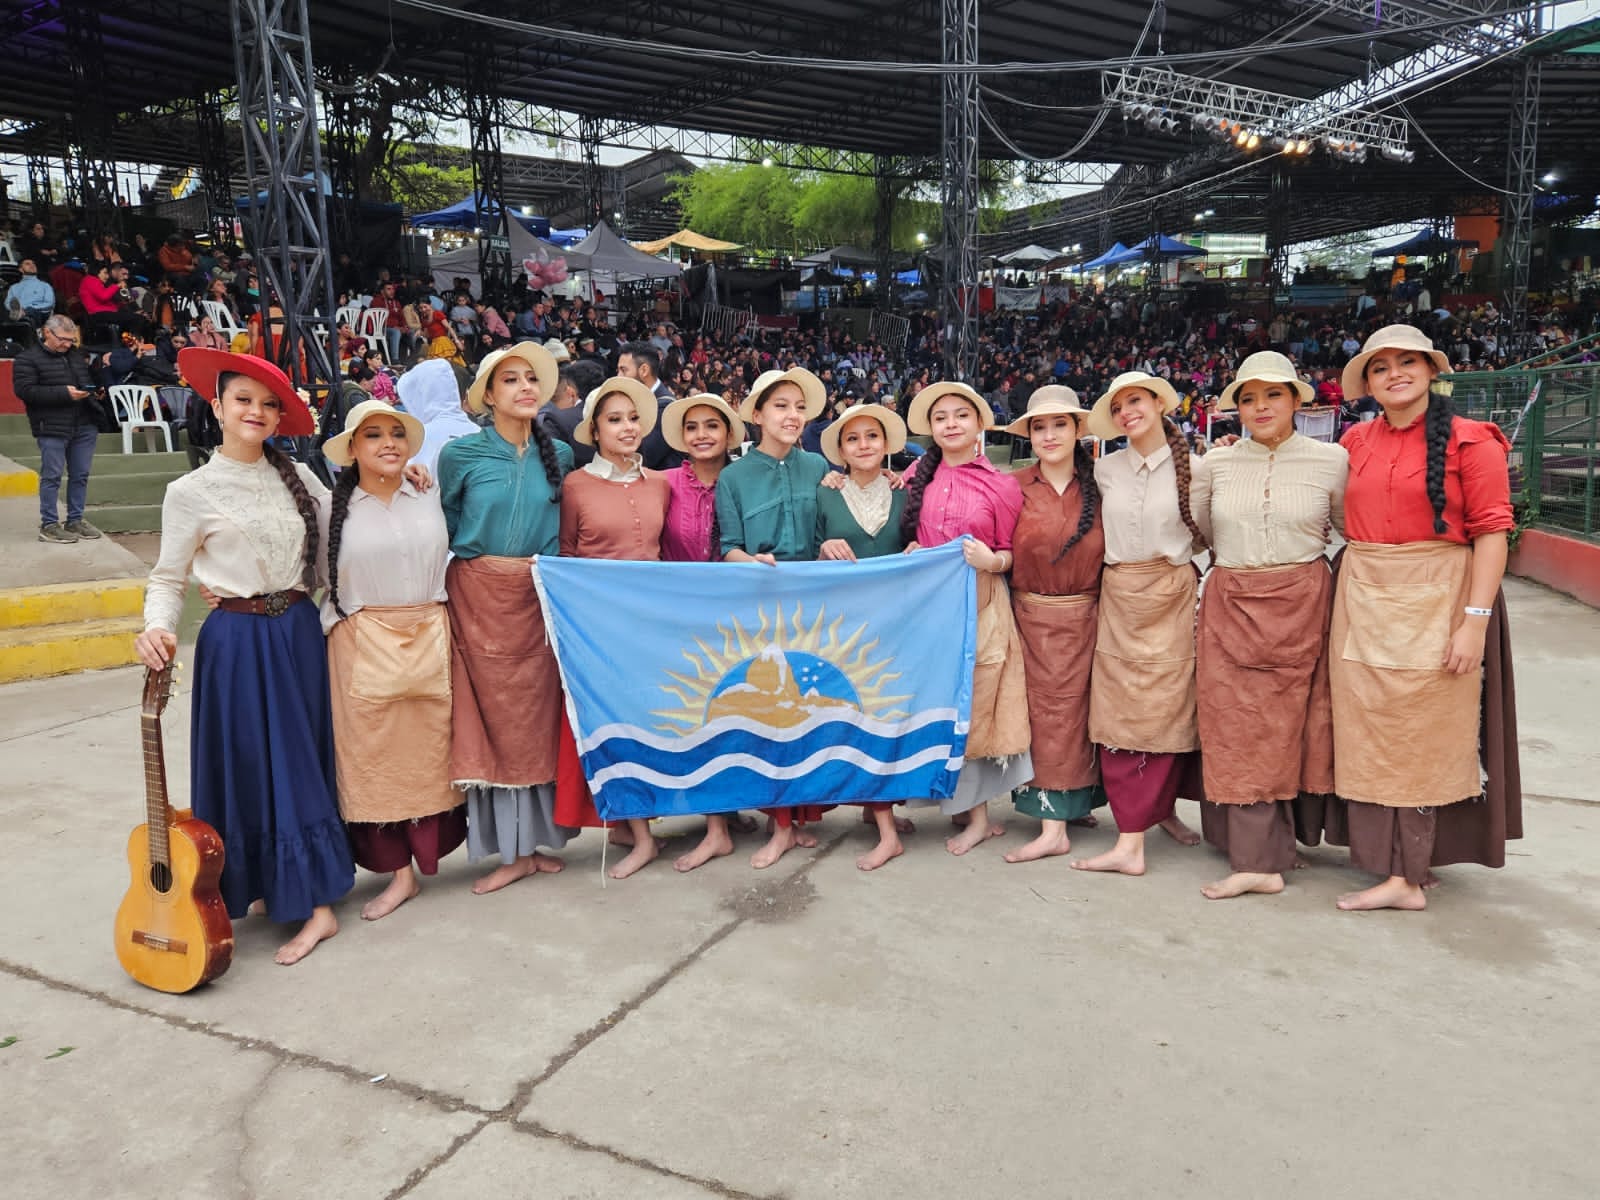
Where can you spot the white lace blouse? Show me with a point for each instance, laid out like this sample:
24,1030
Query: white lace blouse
235,527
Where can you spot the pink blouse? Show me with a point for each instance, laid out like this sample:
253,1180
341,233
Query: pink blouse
691,509
975,498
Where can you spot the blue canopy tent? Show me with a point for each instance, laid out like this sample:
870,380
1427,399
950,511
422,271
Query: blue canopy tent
1105,259
472,212
1423,244
1159,245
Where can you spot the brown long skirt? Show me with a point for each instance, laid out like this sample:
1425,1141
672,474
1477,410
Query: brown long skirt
1142,692
1058,636
507,718
1256,837
1262,681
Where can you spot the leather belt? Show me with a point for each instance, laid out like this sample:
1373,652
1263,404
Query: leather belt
273,604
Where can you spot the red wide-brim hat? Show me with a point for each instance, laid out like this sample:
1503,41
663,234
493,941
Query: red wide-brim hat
202,367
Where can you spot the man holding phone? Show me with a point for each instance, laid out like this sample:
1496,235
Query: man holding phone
52,380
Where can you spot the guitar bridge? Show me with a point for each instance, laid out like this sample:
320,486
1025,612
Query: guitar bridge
157,942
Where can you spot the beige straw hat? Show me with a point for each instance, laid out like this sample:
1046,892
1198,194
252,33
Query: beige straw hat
1054,399
922,404
1100,422
535,355
337,448
894,430
558,350
1266,366
644,402
810,387
1390,337
672,418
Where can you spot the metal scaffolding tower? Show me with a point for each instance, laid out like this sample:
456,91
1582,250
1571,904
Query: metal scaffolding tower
283,177
883,177
344,179
40,192
91,176
594,200
1522,175
216,172
485,116
958,193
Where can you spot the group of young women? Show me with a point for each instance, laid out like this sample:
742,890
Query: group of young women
425,707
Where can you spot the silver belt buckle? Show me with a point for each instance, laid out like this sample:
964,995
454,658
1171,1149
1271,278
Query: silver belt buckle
277,603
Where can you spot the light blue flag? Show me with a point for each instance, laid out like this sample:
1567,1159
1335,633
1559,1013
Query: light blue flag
699,687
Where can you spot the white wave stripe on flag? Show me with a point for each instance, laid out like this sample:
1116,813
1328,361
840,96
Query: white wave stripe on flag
688,741
724,762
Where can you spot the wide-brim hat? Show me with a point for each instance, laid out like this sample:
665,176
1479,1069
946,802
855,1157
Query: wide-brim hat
810,387
337,448
644,400
1390,337
894,430
922,404
558,350
1267,366
1100,422
202,368
673,416
1054,399
536,356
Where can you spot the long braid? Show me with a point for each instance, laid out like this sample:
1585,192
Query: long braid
344,487
307,507
1083,462
1437,422
552,464
920,478
1180,466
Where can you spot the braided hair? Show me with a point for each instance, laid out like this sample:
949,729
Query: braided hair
1180,467
1083,465
343,488
1437,423
304,504
921,476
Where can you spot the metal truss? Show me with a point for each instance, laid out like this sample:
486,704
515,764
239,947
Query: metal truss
594,202
91,175
40,191
344,180
283,178
1516,218
958,192
485,116
883,232
216,167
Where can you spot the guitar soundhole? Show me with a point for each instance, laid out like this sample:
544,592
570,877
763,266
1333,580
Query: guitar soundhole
161,877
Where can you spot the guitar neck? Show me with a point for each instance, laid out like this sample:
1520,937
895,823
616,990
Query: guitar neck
158,811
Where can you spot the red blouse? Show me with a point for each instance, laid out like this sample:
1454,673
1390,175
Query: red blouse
1386,501
974,499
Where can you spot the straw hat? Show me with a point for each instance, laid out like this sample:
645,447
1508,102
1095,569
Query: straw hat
558,350
1266,366
894,430
810,387
202,368
1053,399
535,355
644,401
673,415
337,448
1390,337
922,404
1100,422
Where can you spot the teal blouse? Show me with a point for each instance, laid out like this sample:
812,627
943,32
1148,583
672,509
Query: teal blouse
497,501
768,505
835,520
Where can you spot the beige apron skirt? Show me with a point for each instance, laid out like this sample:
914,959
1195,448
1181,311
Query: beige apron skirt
389,668
1142,689
1058,639
1405,730
999,726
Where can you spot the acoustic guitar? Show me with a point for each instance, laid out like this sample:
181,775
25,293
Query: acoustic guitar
172,931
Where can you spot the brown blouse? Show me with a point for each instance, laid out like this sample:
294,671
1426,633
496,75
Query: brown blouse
1047,522
601,518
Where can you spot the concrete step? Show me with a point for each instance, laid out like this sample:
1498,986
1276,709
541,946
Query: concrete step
172,465
58,604
124,518
36,651
17,479
21,445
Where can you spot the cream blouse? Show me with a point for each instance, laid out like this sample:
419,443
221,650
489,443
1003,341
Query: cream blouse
1139,507
389,554
1270,508
235,526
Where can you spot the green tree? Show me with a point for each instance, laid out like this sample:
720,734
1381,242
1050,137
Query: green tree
752,205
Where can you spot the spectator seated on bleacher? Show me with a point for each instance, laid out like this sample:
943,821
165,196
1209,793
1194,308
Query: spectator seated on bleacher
30,297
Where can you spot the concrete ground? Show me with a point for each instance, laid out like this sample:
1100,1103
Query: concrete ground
942,1028
29,561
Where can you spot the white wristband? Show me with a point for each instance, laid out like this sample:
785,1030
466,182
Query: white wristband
1478,612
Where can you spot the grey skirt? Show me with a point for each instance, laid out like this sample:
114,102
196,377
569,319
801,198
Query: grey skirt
512,822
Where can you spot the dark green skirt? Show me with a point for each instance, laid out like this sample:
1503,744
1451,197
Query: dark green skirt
1053,804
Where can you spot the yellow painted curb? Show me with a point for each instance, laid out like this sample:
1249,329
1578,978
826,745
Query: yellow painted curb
65,649
69,603
20,482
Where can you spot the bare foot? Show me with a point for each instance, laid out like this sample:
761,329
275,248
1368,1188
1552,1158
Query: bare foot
1242,882
321,926
1175,829
886,850
257,908
1393,892
402,887
1052,840
1430,881
620,835
783,840
506,873
1087,822
979,830
961,820
716,843
901,824
742,823
548,864
803,837
1125,858
644,852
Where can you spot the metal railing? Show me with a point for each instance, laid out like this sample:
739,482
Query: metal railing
1552,417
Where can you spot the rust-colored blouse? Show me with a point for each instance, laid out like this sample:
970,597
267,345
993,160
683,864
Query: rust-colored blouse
1046,524
1386,499
602,518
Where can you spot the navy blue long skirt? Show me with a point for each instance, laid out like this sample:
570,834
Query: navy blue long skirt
261,761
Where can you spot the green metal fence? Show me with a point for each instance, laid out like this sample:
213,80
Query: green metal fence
1552,416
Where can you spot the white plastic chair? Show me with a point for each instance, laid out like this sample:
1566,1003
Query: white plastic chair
136,407
1318,424
222,317
348,314
370,329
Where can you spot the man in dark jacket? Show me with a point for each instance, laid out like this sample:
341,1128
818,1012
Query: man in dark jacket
52,380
